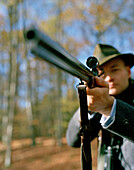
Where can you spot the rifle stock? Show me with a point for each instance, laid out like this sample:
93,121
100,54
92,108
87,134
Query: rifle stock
49,50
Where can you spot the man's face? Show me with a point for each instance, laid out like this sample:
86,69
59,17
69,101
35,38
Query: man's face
117,74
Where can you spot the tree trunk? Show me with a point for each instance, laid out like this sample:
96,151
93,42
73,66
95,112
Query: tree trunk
29,109
59,79
12,90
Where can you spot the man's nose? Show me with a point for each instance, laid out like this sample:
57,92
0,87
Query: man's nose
108,77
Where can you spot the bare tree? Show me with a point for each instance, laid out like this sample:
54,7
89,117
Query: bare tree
29,109
12,85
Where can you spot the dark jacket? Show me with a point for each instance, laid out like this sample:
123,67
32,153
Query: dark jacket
122,129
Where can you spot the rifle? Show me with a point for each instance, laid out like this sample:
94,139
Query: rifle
49,50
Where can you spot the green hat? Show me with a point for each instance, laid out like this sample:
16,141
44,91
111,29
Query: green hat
105,53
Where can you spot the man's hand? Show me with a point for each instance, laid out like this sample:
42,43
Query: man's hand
98,97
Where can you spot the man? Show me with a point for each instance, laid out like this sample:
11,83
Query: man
112,102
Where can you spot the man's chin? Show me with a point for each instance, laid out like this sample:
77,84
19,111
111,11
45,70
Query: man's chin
113,92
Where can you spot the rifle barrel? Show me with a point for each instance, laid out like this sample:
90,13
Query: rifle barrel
51,51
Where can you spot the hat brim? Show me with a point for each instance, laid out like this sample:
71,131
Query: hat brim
128,59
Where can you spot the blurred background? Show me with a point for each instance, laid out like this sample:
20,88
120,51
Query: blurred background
37,100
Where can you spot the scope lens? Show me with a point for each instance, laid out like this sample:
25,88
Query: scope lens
92,62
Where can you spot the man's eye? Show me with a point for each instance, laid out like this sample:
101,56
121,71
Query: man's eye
114,70
102,75
101,72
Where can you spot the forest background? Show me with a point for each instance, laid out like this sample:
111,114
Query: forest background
37,99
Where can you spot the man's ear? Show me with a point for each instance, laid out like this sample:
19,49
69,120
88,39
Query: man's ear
129,71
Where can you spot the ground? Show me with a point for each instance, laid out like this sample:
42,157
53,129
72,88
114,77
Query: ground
46,155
